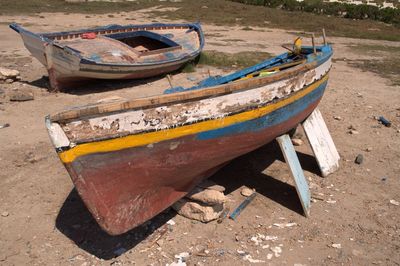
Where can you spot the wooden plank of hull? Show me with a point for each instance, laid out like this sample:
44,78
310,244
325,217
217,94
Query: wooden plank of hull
124,188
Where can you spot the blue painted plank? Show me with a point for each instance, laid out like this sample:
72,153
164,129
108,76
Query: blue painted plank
291,159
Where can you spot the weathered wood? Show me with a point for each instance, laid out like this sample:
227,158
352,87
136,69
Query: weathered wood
324,35
313,43
321,143
179,96
291,159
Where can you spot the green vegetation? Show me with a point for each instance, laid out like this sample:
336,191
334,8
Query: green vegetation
388,67
237,60
219,12
232,13
352,11
227,60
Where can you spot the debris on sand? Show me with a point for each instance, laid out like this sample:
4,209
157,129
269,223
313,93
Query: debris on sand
277,251
394,202
5,214
251,260
4,125
338,246
384,121
246,191
21,95
284,225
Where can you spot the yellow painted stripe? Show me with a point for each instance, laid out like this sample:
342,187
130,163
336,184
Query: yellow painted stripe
157,136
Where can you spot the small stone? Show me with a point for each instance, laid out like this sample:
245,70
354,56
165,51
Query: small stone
21,95
9,81
337,118
5,214
359,159
338,246
9,73
394,202
368,149
246,191
297,142
356,252
353,132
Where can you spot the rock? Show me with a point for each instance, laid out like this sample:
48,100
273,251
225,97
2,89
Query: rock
353,132
297,142
337,118
368,149
338,246
21,95
9,81
211,185
394,202
5,214
9,73
207,196
246,191
359,159
198,211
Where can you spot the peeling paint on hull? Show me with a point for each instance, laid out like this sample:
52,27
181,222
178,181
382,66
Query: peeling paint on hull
125,188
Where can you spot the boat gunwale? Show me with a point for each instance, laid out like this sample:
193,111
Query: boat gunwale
201,93
249,108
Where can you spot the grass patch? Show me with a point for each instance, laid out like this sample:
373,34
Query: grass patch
226,60
226,13
388,67
237,60
20,7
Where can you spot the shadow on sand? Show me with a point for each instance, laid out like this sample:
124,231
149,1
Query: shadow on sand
84,87
75,221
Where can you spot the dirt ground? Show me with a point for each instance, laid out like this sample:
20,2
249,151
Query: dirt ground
44,222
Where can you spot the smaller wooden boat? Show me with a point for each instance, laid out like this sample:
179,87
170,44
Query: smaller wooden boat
131,159
114,51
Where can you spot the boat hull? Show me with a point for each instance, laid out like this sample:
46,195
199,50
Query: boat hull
124,188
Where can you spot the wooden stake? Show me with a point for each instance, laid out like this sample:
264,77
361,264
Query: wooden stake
169,80
313,43
323,35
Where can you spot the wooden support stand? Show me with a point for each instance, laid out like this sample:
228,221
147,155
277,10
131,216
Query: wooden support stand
324,151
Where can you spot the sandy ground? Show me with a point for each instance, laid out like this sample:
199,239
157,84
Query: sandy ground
43,221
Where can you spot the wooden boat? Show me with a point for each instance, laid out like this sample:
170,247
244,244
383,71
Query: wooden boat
131,159
114,51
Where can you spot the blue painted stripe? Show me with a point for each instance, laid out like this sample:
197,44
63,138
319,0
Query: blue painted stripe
275,118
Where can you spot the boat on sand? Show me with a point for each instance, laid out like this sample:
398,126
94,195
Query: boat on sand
113,51
131,159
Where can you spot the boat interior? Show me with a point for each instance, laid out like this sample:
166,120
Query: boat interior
135,46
